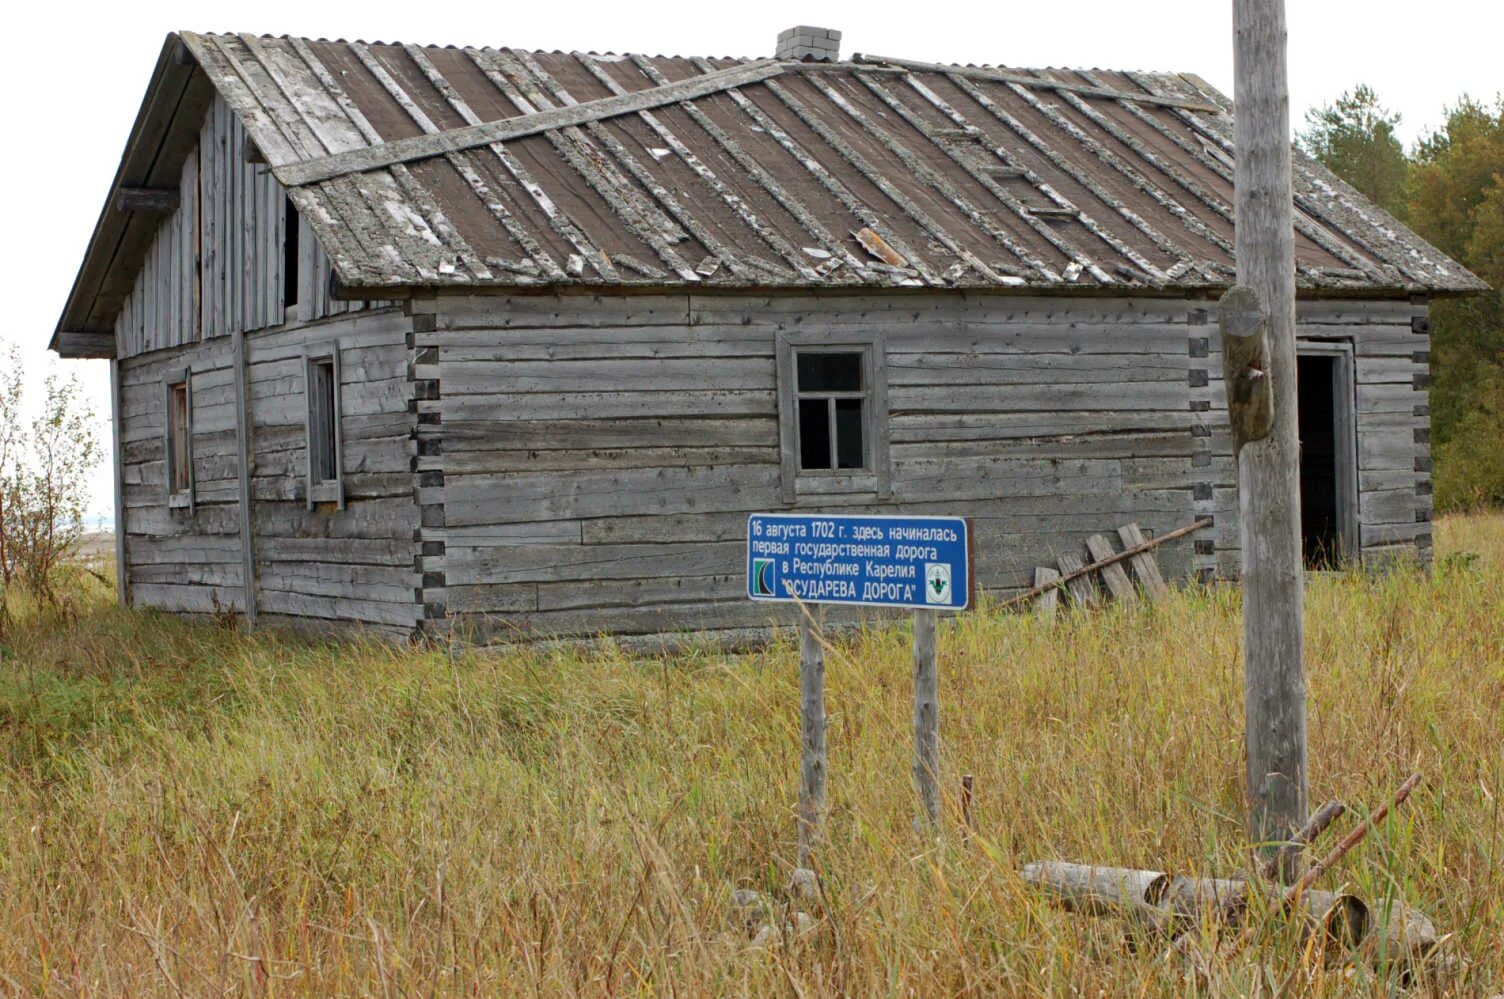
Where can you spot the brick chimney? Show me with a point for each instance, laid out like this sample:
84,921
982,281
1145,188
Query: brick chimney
804,42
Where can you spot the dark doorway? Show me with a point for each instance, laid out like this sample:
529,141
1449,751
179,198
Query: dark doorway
1325,491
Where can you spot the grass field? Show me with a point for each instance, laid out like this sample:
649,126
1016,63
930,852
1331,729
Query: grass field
184,810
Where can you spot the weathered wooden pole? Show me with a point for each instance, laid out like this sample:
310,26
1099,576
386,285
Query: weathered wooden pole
1269,468
812,766
927,717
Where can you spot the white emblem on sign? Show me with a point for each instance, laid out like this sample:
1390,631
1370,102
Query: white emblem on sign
936,583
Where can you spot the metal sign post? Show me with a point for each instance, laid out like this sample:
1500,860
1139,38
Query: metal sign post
920,563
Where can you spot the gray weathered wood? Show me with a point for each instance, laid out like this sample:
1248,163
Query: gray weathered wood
122,560
1113,576
1268,470
927,718
1047,602
813,761
1083,592
1246,365
454,140
1145,568
69,343
147,199
621,503
243,421
1098,890
1038,82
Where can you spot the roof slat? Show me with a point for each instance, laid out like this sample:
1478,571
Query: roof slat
1011,122
830,182
486,133
1045,83
765,164
863,166
828,240
449,236
659,230
743,211
1316,234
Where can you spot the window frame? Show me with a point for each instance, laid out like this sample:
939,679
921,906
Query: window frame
178,499
875,477
1344,437
324,490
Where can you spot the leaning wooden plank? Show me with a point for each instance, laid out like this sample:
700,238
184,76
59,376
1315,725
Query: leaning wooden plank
1050,598
1068,576
1145,569
1116,580
1083,592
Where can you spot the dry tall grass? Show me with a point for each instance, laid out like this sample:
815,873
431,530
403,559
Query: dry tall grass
187,811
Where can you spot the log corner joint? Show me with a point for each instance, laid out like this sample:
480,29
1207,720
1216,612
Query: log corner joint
1244,322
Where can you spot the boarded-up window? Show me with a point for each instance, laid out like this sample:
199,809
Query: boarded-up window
321,420
322,385
180,458
177,439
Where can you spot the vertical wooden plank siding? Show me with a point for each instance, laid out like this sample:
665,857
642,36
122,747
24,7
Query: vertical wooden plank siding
215,266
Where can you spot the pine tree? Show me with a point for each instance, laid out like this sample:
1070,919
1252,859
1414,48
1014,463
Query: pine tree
1354,137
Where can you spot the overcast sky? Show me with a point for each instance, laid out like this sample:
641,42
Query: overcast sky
71,105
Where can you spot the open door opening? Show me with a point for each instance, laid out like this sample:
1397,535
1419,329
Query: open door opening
1328,519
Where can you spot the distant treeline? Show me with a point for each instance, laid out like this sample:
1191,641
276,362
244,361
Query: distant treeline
1449,188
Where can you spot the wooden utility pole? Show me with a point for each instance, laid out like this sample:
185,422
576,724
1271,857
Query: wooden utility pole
927,718
1269,467
812,764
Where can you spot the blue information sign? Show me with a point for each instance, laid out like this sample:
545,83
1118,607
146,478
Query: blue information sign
921,562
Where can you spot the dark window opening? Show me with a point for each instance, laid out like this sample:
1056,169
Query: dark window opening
831,390
1320,502
180,454
323,439
290,254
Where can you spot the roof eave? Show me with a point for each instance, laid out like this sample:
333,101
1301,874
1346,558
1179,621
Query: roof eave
170,97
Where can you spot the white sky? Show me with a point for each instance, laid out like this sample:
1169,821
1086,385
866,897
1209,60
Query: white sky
74,93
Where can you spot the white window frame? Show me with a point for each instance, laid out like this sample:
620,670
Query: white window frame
324,490
178,499
875,477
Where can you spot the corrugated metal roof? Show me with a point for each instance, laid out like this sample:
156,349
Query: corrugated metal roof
873,172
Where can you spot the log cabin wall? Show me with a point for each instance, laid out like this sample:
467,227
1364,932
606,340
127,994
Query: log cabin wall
314,564
214,272
319,562
594,459
180,559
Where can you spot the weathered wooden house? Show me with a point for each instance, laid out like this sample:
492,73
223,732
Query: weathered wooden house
423,337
